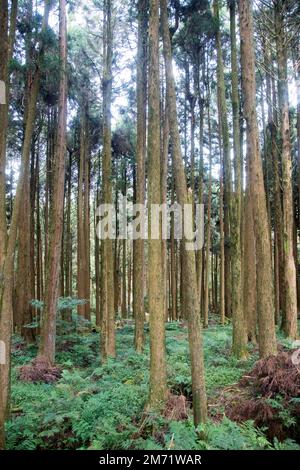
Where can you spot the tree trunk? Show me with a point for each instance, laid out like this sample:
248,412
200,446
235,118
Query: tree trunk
239,340
6,308
227,162
208,226
190,277
249,270
108,347
138,251
158,386
4,45
264,282
290,284
48,327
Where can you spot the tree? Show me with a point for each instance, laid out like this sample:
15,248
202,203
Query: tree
6,307
290,306
158,387
108,348
138,253
189,265
264,284
239,331
227,162
48,327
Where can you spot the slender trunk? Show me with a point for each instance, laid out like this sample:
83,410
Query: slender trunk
173,265
4,45
208,226
68,273
7,40
97,260
48,328
138,252
290,305
164,189
6,310
249,270
158,386
239,340
199,255
108,347
227,162
189,265
222,235
264,282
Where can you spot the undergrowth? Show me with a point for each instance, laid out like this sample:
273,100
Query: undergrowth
94,406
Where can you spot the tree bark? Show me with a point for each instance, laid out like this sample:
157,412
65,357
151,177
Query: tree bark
189,265
6,308
239,340
227,162
48,327
138,252
158,386
108,347
264,281
290,283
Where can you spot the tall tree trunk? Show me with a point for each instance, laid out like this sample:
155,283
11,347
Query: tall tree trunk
173,268
124,254
272,152
108,347
199,255
86,218
189,265
239,340
48,327
6,308
4,45
264,282
249,270
290,284
83,274
138,251
298,118
227,162
208,226
23,309
158,386
7,39
97,260
222,234
164,189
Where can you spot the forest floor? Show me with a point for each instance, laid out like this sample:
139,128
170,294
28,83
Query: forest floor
89,406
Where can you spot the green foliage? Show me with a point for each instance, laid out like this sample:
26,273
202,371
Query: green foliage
284,412
96,406
64,303
232,436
